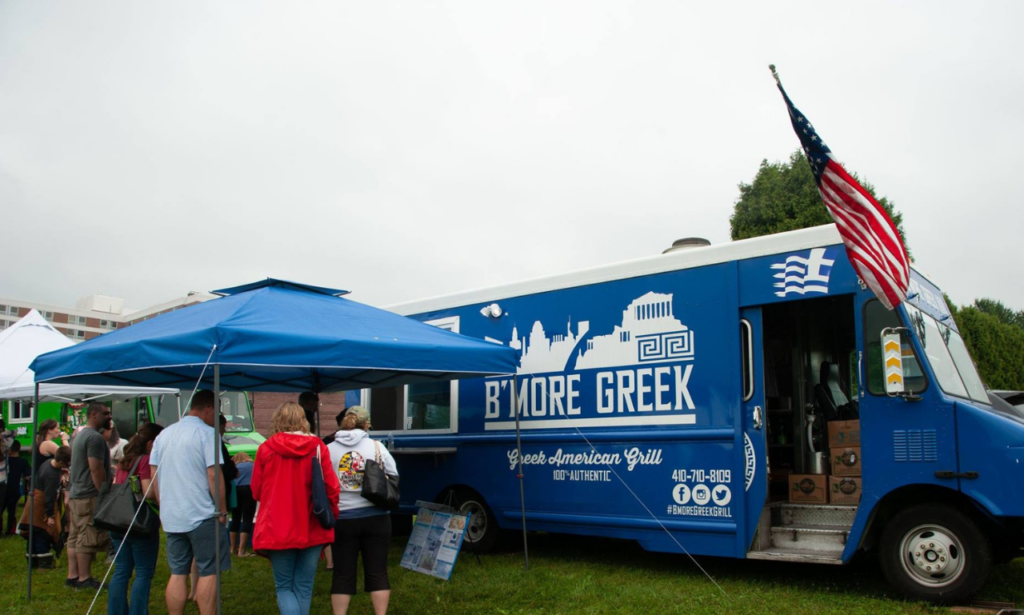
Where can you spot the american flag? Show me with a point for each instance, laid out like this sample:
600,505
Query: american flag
872,243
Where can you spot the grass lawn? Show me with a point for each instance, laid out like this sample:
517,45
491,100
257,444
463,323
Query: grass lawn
567,575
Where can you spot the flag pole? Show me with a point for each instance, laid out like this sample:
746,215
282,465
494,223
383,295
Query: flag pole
216,475
771,67
32,489
519,451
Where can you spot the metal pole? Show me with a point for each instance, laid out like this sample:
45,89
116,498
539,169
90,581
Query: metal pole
32,489
519,450
216,474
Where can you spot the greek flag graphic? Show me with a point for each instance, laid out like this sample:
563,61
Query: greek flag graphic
803,274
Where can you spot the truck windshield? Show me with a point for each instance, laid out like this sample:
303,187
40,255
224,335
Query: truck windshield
234,406
948,357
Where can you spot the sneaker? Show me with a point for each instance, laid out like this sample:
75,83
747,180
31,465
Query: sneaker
89,583
72,583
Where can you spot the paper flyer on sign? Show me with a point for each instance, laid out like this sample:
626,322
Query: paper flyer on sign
434,543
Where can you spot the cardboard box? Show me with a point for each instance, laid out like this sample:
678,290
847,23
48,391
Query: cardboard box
843,434
808,488
846,461
844,490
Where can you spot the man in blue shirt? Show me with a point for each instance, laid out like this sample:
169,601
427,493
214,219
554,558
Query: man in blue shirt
192,510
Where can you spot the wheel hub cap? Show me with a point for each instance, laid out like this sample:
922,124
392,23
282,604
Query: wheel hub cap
932,555
477,520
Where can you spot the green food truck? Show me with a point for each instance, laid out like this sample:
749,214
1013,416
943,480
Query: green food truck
130,412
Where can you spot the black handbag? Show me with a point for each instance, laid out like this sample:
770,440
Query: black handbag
321,503
117,506
379,487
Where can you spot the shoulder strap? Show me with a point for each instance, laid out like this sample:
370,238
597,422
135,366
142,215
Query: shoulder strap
376,453
135,466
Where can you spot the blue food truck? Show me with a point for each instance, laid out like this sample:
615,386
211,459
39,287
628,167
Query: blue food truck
709,399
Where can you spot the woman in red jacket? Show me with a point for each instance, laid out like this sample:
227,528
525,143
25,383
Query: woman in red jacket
286,531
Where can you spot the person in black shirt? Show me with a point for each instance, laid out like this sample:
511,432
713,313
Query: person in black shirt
18,469
310,403
330,437
47,498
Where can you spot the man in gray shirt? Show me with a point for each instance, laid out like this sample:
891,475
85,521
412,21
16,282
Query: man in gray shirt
90,468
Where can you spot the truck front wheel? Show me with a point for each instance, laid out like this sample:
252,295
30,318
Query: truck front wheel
483,532
935,553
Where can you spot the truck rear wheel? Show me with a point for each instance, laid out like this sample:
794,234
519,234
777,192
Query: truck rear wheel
483,532
935,553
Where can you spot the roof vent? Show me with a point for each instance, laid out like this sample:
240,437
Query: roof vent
687,243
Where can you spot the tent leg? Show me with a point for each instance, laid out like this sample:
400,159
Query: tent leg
519,450
32,490
216,475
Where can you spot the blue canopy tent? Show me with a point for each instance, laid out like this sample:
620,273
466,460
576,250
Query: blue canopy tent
275,335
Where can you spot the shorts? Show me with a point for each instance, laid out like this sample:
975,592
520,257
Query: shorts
83,537
199,544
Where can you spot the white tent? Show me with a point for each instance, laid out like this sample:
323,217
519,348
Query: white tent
32,336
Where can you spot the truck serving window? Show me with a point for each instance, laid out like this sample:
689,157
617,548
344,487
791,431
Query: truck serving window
165,408
427,406
123,413
21,412
876,318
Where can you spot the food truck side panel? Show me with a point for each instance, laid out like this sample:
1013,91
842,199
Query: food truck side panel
624,387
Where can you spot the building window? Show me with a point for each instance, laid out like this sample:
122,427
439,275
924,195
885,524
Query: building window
13,310
3,309
48,315
81,320
79,335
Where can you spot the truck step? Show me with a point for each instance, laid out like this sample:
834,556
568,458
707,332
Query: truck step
812,515
830,539
804,556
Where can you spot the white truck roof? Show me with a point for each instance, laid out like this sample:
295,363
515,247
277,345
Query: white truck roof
684,259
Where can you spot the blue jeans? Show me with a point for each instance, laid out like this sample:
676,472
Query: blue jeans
138,553
294,571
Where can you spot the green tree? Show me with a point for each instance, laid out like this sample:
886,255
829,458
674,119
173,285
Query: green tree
784,197
1000,311
997,347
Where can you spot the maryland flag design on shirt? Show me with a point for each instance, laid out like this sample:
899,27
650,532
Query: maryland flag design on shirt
350,471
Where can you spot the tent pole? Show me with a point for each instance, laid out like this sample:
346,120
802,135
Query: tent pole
216,475
32,489
519,450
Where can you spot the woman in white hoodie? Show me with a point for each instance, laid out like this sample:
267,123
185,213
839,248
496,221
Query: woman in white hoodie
362,526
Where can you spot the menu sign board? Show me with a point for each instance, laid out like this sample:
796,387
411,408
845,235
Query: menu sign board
435,542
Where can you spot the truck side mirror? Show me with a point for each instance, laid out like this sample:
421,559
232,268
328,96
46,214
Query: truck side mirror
892,362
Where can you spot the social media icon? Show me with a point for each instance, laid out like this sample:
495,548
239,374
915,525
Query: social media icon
701,494
681,494
721,494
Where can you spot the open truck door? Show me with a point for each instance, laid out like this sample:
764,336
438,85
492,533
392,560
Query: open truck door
754,424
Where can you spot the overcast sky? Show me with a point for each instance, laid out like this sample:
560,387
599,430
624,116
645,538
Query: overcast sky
407,149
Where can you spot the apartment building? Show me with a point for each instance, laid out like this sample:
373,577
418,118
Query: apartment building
92,316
